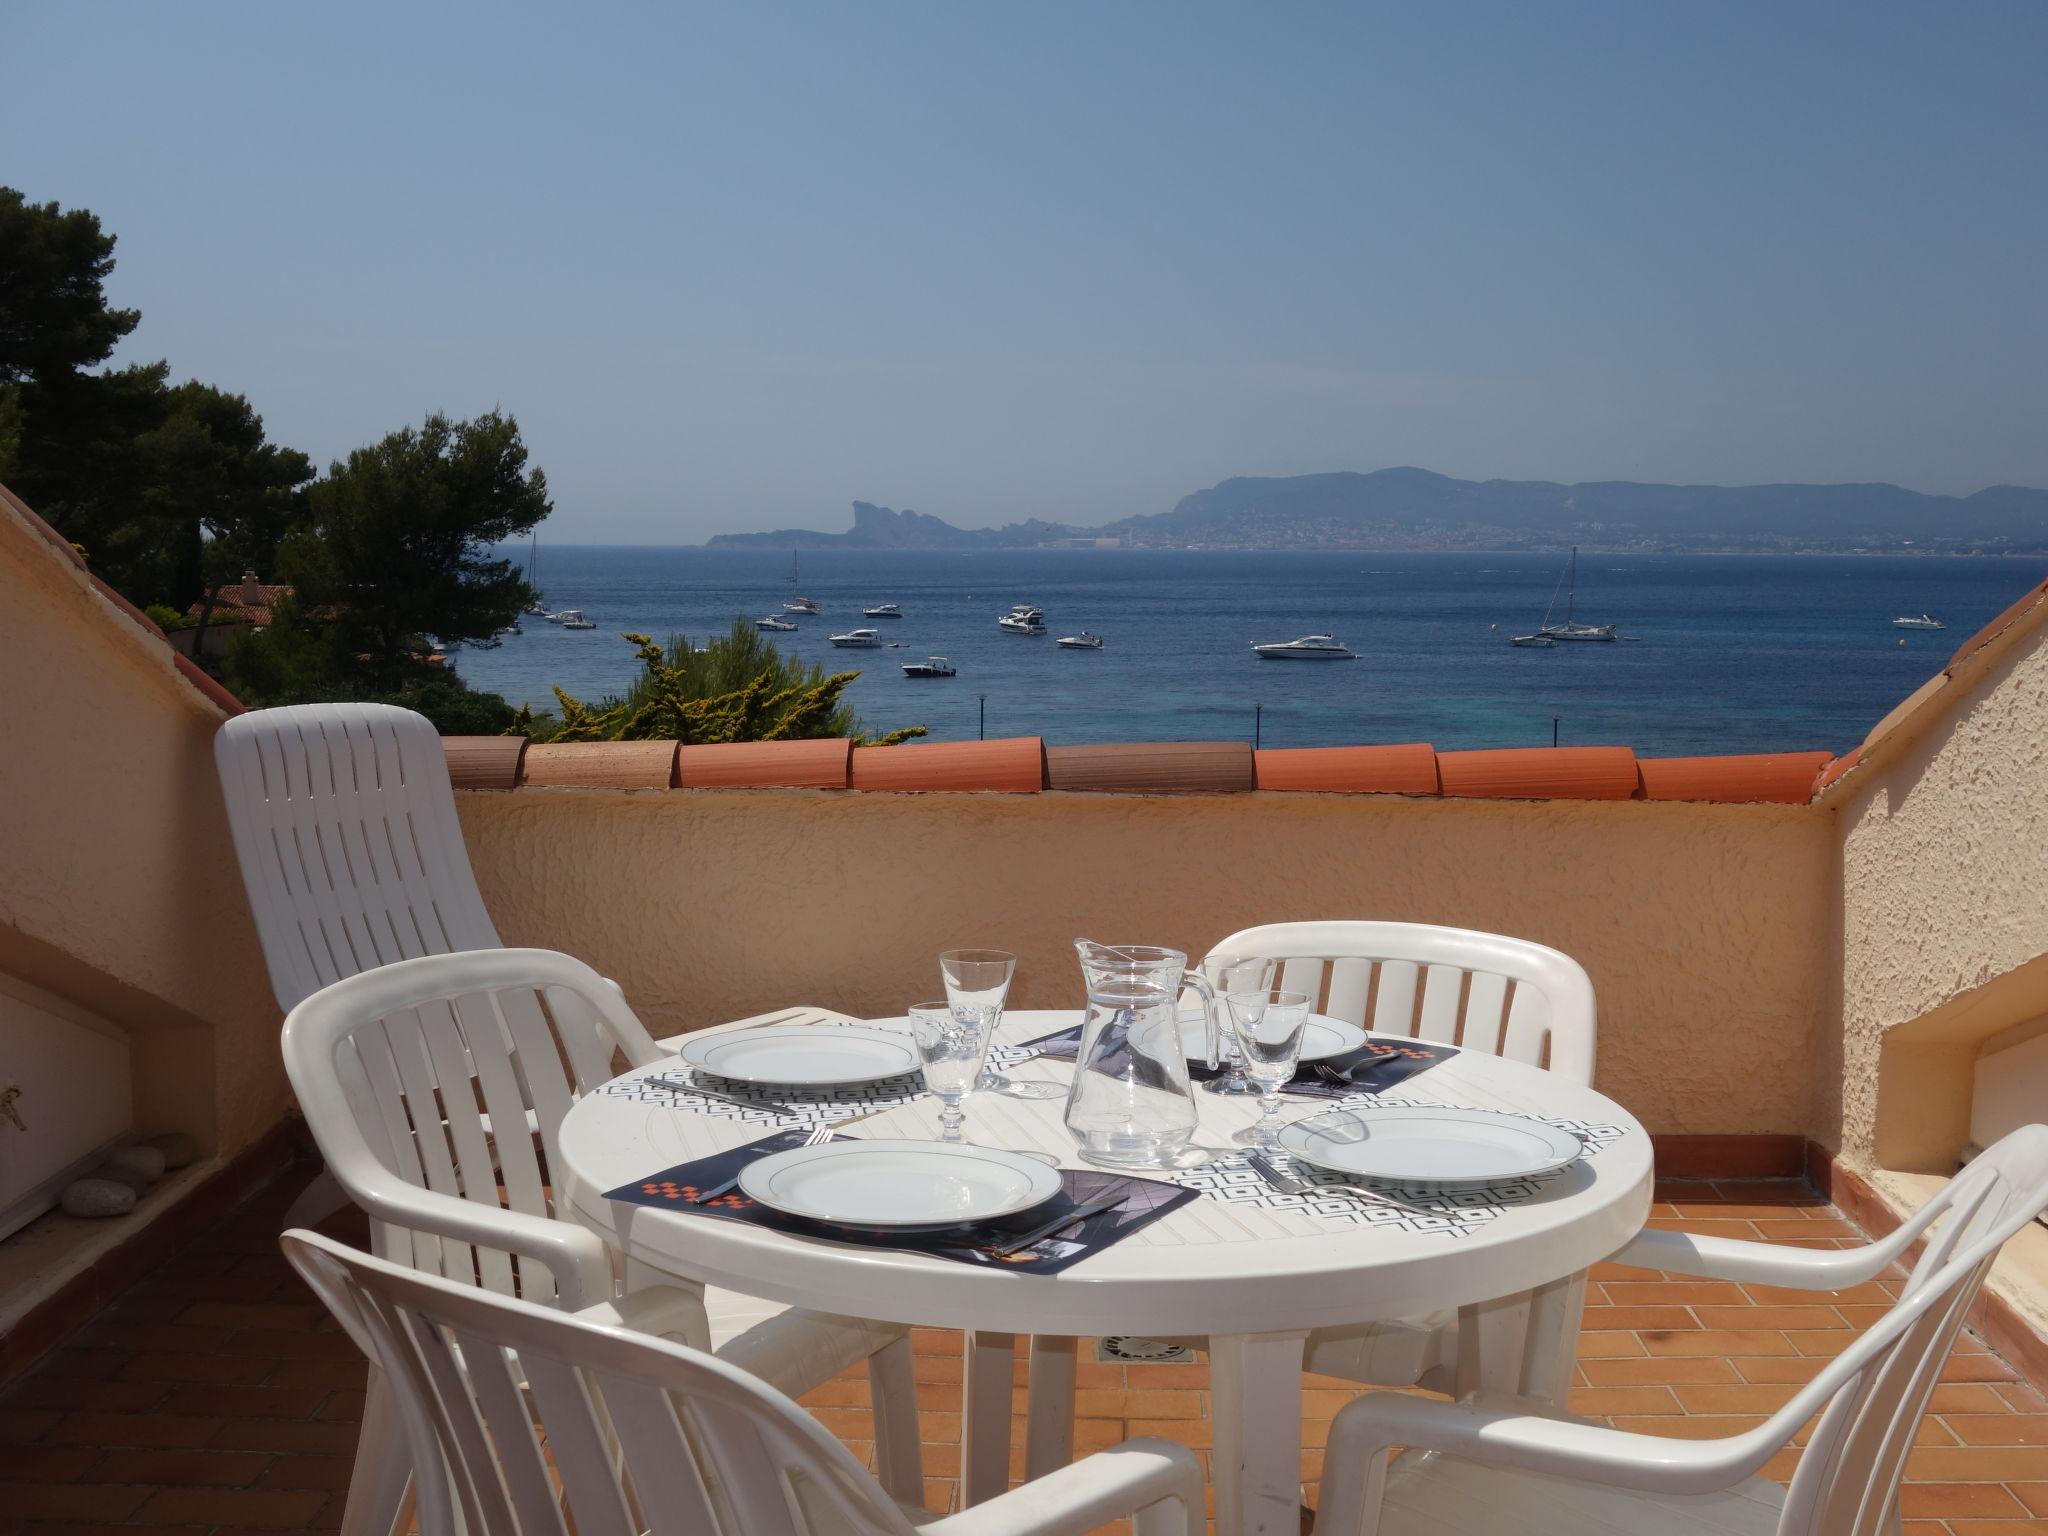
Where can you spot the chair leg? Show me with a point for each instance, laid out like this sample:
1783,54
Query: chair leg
380,1486
985,1425
1049,1420
892,1389
316,1202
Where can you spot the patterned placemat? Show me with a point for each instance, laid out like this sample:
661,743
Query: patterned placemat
1136,1203
806,1106
1406,1208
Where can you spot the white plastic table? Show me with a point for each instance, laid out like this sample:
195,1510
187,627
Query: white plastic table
1253,1281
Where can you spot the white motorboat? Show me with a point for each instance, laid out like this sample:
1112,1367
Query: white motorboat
882,611
1539,639
931,666
1023,619
858,640
572,618
512,629
770,621
1307,648
1084,641
1571,629
1925,621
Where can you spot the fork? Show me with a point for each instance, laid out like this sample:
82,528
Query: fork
820,1134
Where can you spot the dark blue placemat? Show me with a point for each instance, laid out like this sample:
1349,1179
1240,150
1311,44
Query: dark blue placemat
1374,1067
1140,1202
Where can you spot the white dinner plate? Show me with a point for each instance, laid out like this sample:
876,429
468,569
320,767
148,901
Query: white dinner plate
803,1055
899,1184
1430,1145
1322,1037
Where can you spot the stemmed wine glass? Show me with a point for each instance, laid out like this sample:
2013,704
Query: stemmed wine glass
977,985
1269,1025
1235,975
950,1047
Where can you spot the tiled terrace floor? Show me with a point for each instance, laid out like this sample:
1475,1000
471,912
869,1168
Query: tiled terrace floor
216,1396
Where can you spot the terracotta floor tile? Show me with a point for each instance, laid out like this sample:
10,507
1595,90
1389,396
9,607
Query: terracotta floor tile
1949,1500
2033,1495
1979,1463
1656,1370
1604,1402
2000,1428
45,1463
70,1501
1603,1319
1975,1397
1753,1316
1676,1293
1998,1528
240,1508
1741,1397
1719,1341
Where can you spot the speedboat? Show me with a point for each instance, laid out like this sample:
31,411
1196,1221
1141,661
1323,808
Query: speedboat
1307,648
931,666
1084,641
858,640
512,629
799,605
882,611
1023,619
1537,639
1925,621
770,621
572,618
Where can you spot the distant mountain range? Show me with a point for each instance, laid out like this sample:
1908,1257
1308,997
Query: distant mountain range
1418,509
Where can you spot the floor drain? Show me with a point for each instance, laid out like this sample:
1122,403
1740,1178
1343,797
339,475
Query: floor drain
1128,1346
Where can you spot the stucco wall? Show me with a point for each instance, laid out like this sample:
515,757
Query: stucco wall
1943,906
118,886
1696,922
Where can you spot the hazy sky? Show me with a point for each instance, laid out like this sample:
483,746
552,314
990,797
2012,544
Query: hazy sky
735,266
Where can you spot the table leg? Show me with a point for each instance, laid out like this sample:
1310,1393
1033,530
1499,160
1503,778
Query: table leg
1555,1312
1492,1336
1049,1420
1255,1382
988,1369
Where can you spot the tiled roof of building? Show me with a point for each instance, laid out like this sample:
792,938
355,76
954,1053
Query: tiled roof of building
247,601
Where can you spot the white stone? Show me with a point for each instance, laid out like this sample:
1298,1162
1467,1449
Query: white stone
145,1160
97,1197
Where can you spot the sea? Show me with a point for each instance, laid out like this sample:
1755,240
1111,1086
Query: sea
1718,653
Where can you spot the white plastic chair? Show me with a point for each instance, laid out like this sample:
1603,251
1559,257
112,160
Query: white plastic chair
640,1435
1505,1471
401,1070
1479,991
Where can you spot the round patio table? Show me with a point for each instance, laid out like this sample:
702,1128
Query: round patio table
1252,1280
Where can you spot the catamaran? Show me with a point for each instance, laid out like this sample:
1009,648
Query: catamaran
1570,629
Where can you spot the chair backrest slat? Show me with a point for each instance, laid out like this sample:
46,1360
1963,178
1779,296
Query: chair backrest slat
644,1434
398,1068
1480,991
344,825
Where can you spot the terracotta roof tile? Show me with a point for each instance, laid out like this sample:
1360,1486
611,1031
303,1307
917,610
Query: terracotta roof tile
484,762
1014,766
1540,773
231,604
600,765
818,764
1152,767
1408,769
1783,778
1836,769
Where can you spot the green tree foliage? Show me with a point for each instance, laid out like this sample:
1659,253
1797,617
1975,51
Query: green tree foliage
396,545
737,687
54,318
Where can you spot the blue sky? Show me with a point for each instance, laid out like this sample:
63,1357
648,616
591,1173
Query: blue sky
735,266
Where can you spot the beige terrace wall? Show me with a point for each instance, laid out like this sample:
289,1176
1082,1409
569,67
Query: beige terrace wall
1698,923
1943,912
118,886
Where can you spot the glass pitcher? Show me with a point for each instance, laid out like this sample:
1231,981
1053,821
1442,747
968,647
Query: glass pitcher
1131,1104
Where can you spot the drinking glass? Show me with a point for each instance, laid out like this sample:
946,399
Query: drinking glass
950,1046
1236,975
1268,1024
977,984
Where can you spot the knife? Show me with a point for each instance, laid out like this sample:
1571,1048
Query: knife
1059,1223
724,1098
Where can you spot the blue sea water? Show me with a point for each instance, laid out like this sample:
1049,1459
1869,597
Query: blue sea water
1723,653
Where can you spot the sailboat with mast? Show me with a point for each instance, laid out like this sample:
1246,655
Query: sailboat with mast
1570,628
797,602
537,608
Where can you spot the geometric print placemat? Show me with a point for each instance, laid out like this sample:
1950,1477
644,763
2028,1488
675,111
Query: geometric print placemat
1408,1208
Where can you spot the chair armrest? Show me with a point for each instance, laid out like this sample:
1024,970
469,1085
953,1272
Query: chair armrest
1090,1493
1354,1466
575,1256
1727,1258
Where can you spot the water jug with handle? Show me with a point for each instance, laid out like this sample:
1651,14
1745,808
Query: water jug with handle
1131,1104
